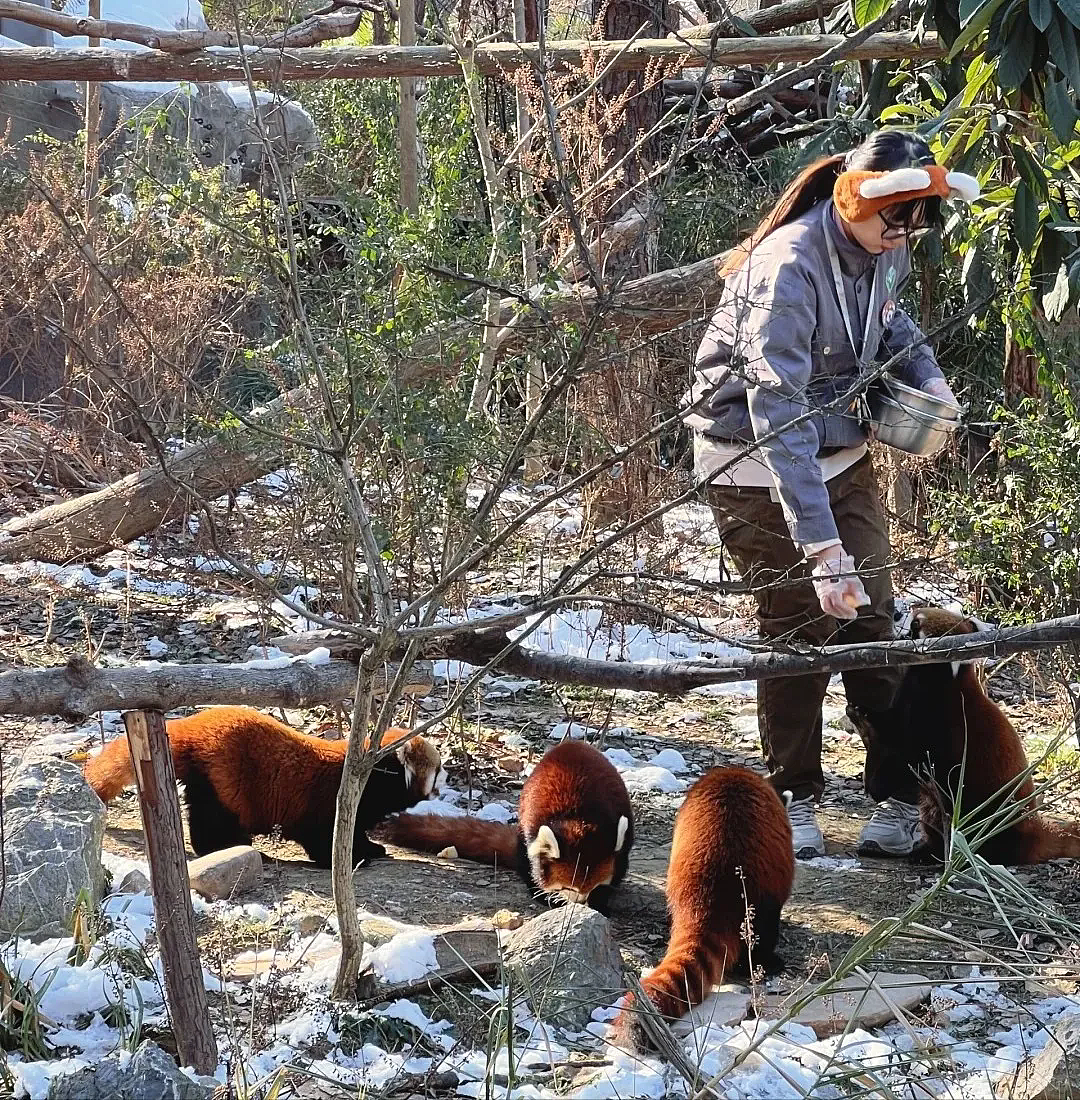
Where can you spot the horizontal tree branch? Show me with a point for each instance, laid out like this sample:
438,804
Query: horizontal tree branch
778,17
309,32
366,62
845,50
678,677
478,646
79,689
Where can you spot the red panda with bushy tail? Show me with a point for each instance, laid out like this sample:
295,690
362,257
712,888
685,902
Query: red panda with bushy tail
732,851
573,837
959,728
246,773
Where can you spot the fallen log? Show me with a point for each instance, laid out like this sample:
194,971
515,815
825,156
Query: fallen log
641,307
778,17
90,525
77,690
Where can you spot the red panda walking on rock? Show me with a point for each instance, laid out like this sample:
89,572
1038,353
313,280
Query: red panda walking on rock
246,773
573,837
732,851
958,726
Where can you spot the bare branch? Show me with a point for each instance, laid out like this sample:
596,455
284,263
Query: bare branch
778,17
678,677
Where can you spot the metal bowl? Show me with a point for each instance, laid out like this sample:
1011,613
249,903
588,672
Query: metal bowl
899,421
918,401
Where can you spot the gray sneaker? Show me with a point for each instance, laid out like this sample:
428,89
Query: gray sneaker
894,830
806,836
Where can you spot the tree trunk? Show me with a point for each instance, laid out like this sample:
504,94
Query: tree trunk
1021,369
620,408
91,525
174,921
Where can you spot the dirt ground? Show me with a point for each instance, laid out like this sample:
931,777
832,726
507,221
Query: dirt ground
834,902
832,906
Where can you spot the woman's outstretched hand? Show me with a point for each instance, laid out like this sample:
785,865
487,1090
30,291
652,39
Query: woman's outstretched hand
938,387
839,595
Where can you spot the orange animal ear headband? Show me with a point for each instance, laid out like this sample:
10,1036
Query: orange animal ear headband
860,195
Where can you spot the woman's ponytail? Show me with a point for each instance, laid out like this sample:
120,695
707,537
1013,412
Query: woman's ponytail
806,190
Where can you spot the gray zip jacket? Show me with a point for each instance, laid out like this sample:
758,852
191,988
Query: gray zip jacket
777,348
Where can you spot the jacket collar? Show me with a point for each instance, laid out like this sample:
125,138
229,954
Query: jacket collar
854,259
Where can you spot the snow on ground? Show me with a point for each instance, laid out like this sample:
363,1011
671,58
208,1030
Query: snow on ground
758,1059
980,1031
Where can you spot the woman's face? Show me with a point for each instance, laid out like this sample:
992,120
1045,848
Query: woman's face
883,231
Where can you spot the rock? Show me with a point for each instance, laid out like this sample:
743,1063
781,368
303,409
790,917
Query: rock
829,1014
566,963
473,945
450,852
134,882
307,924
726,1006
220,128
150,1072
377,931
226,873
1054,1073
53,827
511,764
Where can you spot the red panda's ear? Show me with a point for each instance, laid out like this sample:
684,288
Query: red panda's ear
620,836
545,844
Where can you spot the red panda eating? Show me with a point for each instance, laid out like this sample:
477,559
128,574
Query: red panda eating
246,773
573,837
731,870
962,734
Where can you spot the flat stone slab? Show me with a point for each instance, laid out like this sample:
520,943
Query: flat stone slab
458,951
854,999
726,1006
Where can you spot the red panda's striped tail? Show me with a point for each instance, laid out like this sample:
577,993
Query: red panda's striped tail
684,978
478,841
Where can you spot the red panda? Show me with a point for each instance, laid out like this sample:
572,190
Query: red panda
573,837
731,856
945,707
245,772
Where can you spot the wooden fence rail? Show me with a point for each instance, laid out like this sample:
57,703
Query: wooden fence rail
368,62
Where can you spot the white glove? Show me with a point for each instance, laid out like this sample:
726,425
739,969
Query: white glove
938,387
839,596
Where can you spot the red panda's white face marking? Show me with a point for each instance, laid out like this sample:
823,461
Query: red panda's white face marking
566,878
936,622
423,766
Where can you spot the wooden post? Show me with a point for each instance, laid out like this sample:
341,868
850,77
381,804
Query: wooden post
91,299
155,778
534,377
407,134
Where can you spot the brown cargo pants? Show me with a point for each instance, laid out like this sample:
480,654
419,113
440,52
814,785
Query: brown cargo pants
752,528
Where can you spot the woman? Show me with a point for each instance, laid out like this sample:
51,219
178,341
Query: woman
808,306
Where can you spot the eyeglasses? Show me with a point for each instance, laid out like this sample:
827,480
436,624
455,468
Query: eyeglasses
893,232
